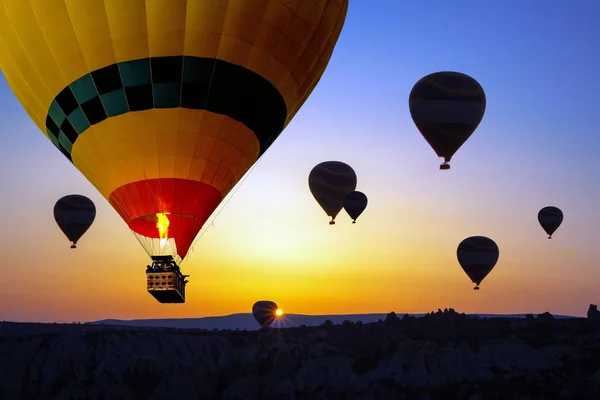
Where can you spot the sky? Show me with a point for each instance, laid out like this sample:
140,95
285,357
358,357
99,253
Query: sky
536,146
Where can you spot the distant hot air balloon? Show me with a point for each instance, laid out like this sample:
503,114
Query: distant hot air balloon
142,375
550,218
264,312
74,214
477,256
329,183
354,204
447,107
163,105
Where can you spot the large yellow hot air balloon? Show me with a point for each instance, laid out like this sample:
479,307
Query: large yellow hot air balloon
165,104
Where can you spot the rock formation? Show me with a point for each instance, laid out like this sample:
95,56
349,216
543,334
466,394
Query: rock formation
593,314
443,355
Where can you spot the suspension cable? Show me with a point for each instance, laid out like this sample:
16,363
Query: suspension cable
222,206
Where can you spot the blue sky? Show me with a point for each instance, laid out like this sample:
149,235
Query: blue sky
537,145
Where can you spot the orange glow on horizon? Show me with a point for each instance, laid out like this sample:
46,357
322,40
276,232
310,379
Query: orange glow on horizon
272,240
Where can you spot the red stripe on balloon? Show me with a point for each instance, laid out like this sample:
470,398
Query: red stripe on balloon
189,204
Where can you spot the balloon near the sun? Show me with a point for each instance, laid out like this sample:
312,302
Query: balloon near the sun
265,312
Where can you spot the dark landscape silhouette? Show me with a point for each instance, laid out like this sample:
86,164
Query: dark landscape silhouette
247,321
440,355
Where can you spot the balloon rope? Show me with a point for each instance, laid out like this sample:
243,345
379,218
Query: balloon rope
212,220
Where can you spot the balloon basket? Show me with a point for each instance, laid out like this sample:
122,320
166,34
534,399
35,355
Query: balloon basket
164,280
73,246
331,222
476,288
444,167
353,222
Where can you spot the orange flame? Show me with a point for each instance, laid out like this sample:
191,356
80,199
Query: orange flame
162,223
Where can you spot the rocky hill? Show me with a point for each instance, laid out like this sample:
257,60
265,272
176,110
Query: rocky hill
247,321
443,355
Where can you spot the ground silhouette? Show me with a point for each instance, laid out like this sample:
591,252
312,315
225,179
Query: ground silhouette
247,321
441,355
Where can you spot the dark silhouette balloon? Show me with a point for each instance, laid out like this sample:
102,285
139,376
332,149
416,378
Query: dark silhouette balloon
329,183
354,204
74,215
550,219
264,312
142,375
477,256
447,107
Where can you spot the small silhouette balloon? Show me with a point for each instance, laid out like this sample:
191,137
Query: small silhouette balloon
550,219
477,256
329,182
74,214
354,204
264,312
447,107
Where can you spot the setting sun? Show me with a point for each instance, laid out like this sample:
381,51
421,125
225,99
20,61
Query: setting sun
279,312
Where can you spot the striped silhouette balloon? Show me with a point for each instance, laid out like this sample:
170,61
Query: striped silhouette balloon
477,256
550,218
74,214
354,204
329,183
447,107
264,312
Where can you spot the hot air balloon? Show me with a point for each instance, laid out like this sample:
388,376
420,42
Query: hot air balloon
447,107
354,204
550,219
329,183
265,312
477,256
163,105
142,375
74,214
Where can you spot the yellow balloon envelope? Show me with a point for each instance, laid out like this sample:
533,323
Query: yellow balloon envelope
165,104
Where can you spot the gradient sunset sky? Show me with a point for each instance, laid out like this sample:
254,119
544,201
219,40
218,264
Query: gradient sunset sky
537,145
